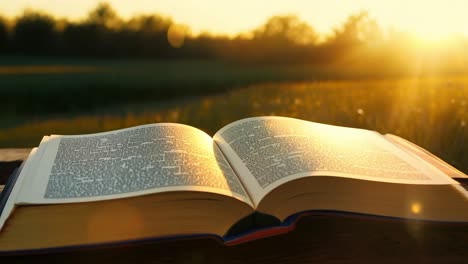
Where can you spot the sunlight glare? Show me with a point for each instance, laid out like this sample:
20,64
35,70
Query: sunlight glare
430,28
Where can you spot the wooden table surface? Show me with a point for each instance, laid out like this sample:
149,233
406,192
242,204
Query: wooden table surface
317,238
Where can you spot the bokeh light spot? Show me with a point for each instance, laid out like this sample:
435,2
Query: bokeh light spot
176,35
416,208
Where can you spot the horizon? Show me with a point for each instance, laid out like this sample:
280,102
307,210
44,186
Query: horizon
432,21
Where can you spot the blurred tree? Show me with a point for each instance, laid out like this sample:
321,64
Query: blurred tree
81,39
105,16
358,28
148,35
3,34
149,24
281,39
97,36
34,33
358,41
205,46
286,29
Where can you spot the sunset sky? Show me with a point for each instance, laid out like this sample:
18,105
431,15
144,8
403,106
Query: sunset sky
428,18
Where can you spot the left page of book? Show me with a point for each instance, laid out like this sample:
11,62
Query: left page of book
129,162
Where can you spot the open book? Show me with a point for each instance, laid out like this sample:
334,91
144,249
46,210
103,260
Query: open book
164,180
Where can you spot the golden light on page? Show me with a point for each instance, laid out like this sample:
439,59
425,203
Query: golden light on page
202,145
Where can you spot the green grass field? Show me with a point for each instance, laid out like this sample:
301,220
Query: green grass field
57,85
34,85
432,112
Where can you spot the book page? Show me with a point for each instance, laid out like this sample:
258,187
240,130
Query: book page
129,162
426,156
268,151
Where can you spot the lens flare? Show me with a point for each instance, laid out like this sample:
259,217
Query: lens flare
416,208
176,35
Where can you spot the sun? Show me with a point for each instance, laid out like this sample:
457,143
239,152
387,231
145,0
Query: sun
434,20
432,31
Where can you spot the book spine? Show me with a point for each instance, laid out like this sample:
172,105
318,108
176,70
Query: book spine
254,235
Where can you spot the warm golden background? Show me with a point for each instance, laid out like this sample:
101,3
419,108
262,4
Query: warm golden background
72,67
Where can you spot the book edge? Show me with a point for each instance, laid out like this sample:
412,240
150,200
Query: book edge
7,190
288,225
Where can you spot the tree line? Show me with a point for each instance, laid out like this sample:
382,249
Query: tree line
281,39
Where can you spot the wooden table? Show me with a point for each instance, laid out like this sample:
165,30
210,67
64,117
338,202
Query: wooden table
317,238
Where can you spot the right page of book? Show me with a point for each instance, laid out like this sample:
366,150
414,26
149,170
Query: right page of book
426,156
266,152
